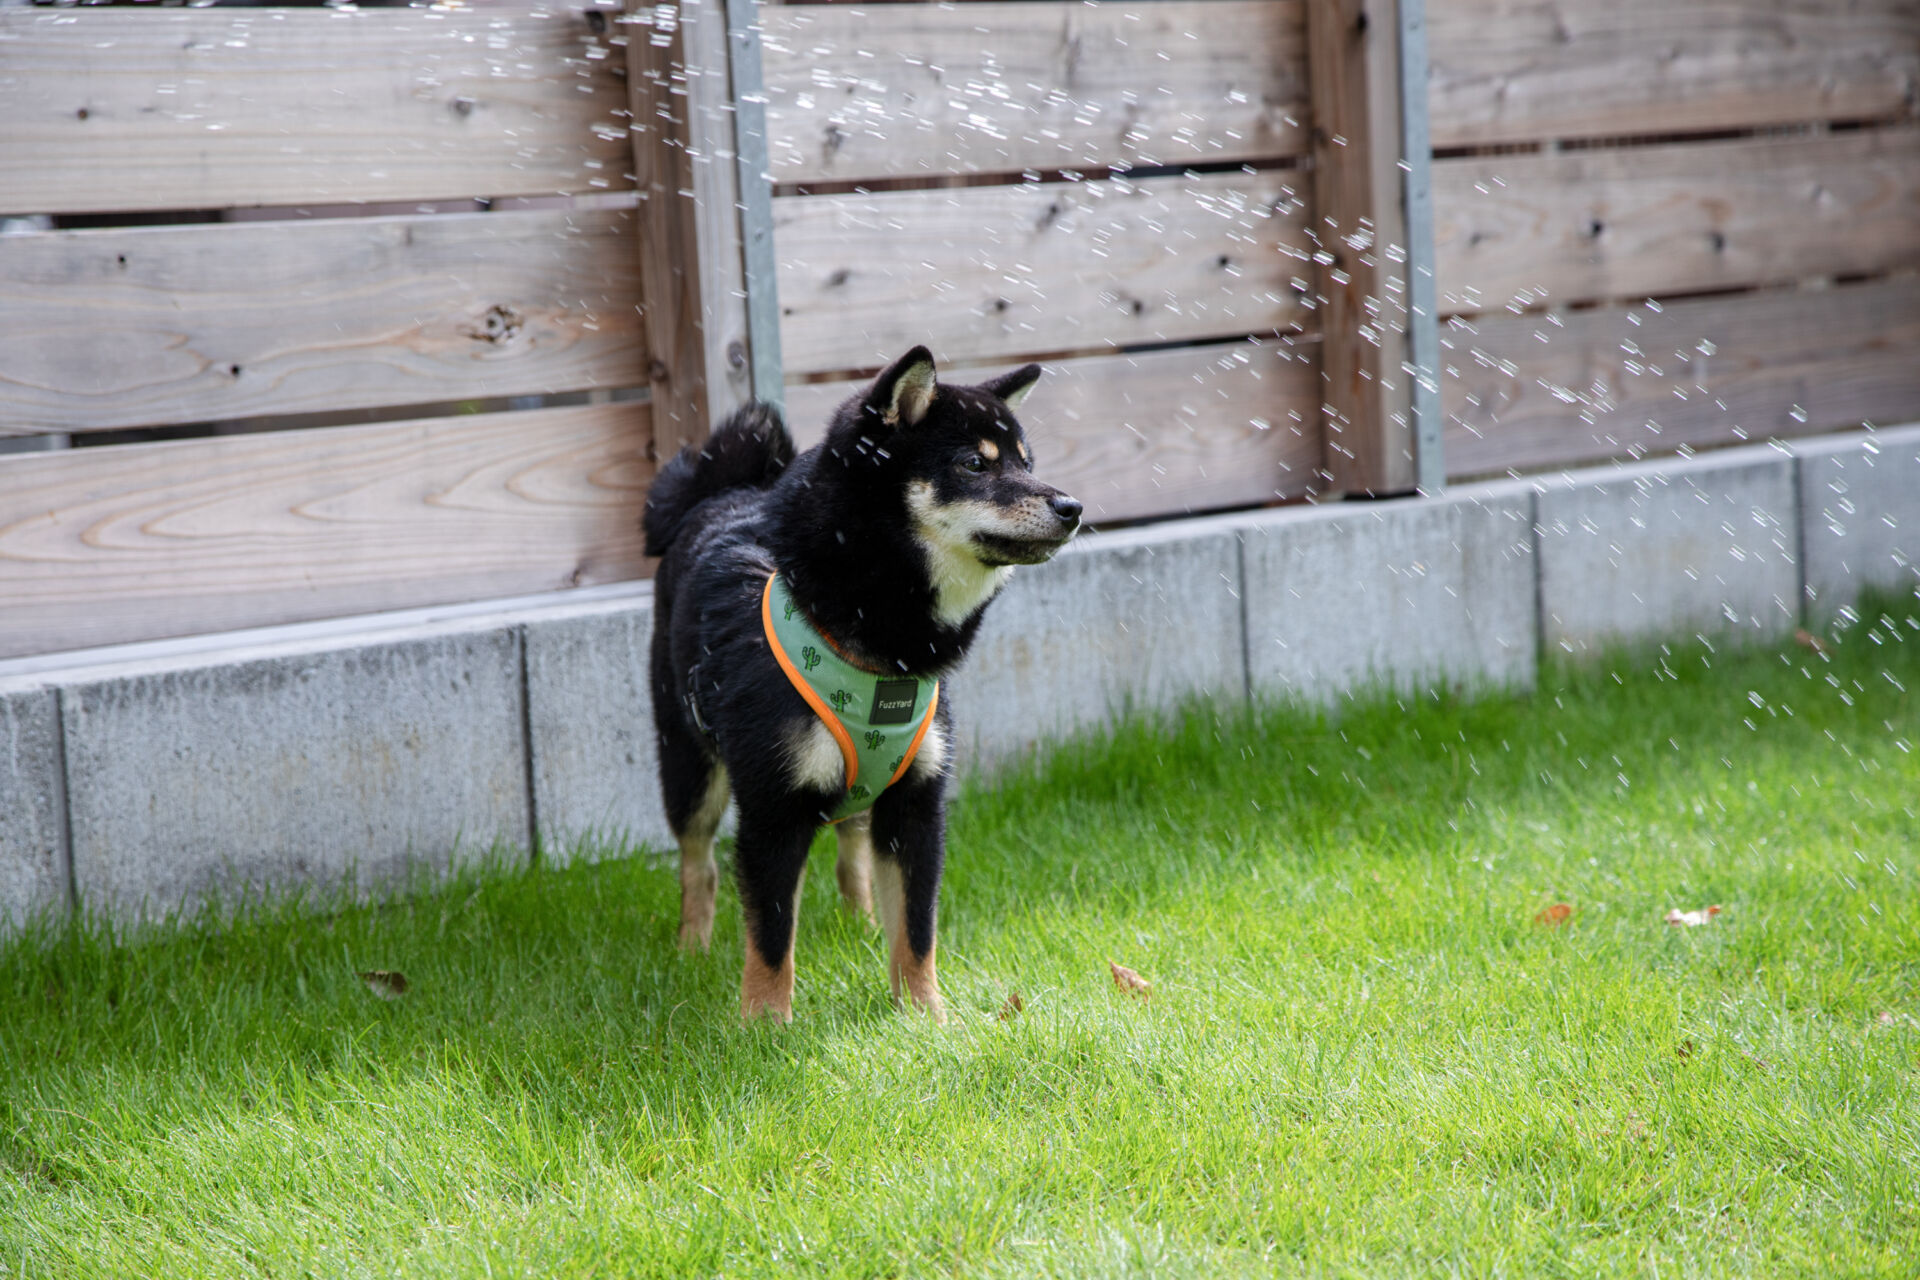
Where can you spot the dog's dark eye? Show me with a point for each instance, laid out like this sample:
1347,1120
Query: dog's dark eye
975,463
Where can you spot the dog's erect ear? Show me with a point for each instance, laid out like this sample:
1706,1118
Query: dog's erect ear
902,395
1013,387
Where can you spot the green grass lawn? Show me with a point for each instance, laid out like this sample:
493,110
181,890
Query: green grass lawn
1361,1056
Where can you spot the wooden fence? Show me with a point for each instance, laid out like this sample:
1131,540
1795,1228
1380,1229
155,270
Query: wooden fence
1665,225
479,268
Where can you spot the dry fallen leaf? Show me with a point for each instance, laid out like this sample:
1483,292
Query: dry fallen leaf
1011,1009
1692,919
1129,981
388,984
1810,640
1684,1049
1553,916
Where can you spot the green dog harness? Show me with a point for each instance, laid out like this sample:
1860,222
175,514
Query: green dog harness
878,720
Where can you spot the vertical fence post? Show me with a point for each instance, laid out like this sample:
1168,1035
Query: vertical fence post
692,279
756,200
1353,64
1423,322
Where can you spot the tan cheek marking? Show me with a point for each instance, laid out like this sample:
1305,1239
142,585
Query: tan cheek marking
990,451
1024,455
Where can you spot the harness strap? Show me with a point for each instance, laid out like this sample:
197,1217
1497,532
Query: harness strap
859,797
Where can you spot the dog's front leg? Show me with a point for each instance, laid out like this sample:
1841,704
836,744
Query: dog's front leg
771,860
909,836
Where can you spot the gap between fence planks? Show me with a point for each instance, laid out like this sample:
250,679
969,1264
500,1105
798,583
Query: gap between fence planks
980,273
1583,225
136,542
1155,433
1529,391
156,325
1520,70
118,109
918,90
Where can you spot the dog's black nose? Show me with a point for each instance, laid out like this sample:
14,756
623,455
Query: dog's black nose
1068,509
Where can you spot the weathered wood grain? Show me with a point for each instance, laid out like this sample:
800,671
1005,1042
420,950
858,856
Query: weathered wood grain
689,244
917,90
1672,219
132,542
1518,70
124,109
1360,218
980,273
154,325
1526,392
1159,433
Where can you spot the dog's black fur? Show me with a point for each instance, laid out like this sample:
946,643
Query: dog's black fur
892,534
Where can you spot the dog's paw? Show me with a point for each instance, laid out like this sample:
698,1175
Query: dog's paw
696,936
936,1009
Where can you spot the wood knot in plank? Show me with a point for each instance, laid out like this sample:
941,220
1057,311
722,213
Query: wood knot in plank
500,325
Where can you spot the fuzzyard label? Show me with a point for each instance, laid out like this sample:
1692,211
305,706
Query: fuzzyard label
893,701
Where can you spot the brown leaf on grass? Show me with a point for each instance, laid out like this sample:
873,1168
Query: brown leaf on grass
1809,640
1684,1049
1011,1009
1129,981
388,984
1692,919
1554,916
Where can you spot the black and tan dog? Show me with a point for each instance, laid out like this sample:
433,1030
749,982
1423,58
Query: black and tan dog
803,615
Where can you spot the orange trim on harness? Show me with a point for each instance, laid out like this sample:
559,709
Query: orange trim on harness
913,748
814,700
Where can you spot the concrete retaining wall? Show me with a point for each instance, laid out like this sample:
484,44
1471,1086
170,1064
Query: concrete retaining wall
157,778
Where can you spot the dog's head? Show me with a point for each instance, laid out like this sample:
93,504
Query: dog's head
965,466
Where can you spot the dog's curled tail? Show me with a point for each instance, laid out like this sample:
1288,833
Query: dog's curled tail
748,451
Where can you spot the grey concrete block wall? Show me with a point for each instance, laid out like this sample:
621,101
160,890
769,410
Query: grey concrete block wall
357,764
590,719
1136,619
1859,514
33,858
1402,593
1705,545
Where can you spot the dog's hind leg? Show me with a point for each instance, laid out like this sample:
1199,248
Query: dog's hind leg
854,868
696,793
772,863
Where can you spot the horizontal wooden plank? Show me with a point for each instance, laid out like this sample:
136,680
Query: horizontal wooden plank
1157,433
1519,70
135,542
149,325
201,108
913,90
1527,392
1641,221
979,273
